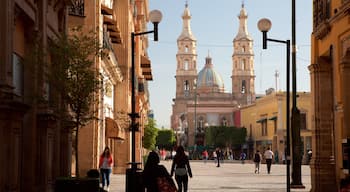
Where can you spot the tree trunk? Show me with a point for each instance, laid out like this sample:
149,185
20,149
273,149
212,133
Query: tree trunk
76,151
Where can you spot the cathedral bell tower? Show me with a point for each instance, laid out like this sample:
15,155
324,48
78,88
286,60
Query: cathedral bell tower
243,77
186,58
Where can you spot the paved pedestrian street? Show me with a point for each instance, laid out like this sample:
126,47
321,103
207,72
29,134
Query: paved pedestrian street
230,177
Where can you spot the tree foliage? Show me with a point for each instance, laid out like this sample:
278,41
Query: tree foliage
150,134
223,136
73,74
165,138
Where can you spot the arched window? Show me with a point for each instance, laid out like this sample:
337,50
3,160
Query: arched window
186,65
243,64
243,88
224,121
186,85
243,49
186,49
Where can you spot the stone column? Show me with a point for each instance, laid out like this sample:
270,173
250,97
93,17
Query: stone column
322,164
11,133
345,74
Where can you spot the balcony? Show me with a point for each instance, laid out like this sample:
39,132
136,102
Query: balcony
111,62
77,8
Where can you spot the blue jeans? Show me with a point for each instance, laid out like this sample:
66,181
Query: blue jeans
105,173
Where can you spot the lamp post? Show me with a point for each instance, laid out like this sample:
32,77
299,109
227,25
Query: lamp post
132,176
195,112
296,141
264,26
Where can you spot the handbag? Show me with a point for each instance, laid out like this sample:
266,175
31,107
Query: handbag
180,171
166,184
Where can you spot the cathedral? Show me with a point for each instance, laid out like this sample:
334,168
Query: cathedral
201,100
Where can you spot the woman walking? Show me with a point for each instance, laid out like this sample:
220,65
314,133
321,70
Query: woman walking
153,171
257,159
181,167
105,165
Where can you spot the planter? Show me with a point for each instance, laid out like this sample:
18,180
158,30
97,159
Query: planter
73,184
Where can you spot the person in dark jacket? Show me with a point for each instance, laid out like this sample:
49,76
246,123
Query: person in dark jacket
152,171
181,167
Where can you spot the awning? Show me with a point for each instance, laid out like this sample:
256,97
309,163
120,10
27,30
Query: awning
274,118
145,62
148,77
106,10
108,21
113,130
261,120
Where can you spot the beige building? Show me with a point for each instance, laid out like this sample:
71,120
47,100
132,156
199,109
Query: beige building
330,75
113,21
36,146
265,121
200,99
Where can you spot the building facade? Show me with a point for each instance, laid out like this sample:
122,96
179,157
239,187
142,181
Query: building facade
265,121
113,21
35,144
330,73
201,100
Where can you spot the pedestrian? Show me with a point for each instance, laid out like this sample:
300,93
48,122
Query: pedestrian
153,171
105,165
181,167
218,156
205,155
309,156
268,157
345,185
242,157
257,160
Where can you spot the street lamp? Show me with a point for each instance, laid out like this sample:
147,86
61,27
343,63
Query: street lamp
132,177
264,26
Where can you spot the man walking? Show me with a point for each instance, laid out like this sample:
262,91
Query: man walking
268,157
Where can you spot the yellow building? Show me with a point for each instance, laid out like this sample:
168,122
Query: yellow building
265,121
330,75
113,21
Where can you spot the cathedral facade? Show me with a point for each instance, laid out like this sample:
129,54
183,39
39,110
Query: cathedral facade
201,100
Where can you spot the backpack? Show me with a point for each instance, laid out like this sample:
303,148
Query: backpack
257,157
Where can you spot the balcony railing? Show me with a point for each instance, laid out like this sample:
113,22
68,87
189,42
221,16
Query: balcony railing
77,8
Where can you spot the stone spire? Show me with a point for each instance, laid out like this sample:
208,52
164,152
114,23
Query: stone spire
243,30
186,27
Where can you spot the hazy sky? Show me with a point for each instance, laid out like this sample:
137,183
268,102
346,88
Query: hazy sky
215,24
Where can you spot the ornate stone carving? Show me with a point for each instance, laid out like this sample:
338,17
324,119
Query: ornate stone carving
322,30
122,119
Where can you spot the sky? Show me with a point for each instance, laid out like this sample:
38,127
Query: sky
215,25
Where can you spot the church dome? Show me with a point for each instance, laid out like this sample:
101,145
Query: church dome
209,79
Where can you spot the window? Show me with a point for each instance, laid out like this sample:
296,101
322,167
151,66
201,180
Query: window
224,121
186,49
186,85
264,127
243,64
186,65
77,8
17,74
243,89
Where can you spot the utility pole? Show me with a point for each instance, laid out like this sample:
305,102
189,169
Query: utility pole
296,141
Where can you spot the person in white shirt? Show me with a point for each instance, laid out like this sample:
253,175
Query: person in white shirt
268,157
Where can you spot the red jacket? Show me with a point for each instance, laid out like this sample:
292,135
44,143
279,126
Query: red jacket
110,161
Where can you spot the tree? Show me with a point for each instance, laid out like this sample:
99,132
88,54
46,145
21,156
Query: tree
72,73
223,136
151,132
165,138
